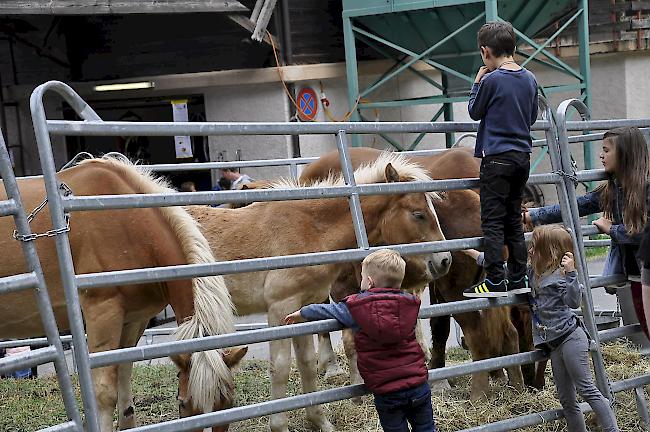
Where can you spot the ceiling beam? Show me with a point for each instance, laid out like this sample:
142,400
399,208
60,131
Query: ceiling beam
108,7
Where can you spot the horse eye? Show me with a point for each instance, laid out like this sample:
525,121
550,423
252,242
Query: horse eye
419,215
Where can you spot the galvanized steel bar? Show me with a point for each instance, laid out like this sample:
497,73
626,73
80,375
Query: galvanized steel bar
148,332
42,295
64,252
606,124
158,274
578,242
619,332
631,383
104,202
63,427
353,199
27,360
122,128
18,282
204,166
525,420
642,406
8,207
597,243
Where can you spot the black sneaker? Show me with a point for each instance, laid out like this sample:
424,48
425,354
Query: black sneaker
519,286
487,288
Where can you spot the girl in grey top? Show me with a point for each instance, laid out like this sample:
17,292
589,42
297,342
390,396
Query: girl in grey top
557,330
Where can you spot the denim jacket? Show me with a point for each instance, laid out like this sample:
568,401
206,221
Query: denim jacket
624,246
551,299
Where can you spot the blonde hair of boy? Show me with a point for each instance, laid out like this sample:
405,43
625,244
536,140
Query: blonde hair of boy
385,267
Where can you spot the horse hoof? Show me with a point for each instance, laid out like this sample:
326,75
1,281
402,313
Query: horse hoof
333,370
323,425
440,385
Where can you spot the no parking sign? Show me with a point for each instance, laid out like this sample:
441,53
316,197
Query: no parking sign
307,104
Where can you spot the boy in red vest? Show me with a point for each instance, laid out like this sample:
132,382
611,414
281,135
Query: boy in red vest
390,359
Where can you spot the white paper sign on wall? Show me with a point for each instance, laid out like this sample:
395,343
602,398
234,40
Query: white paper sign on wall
183,143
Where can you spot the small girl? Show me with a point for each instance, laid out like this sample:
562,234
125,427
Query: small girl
557,330
623,199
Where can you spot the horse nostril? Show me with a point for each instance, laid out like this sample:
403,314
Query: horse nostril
445,262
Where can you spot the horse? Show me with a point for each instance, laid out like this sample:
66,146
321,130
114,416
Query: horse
488,333
267,229
116,317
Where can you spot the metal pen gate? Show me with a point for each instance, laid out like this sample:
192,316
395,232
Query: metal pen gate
563,176
34,280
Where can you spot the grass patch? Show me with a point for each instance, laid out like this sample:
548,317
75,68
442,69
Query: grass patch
32,404
597,252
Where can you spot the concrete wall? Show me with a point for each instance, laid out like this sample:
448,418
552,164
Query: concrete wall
258,103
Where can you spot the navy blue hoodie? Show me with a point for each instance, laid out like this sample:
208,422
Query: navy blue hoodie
505,102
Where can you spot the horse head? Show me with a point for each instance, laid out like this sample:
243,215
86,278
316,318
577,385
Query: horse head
410,218
225,399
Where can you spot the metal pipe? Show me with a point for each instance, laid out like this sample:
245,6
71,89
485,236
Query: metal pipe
122,128
64,252
8,207
42,295
27,360
583,271
18,282
104,202
63,427
354,199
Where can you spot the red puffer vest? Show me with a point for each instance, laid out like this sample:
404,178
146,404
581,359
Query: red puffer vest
389,356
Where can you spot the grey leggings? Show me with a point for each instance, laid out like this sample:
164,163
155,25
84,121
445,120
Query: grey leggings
571,372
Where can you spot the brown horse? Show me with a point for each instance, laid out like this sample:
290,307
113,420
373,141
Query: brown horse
488,333
268,229
116,317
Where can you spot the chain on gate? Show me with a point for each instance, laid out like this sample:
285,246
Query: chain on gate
65,191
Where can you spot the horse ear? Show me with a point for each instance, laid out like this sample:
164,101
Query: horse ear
233,357
182,361
391,174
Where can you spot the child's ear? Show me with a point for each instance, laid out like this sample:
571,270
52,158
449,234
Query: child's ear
371,283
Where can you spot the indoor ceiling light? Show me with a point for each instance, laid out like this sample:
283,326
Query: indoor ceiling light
125,86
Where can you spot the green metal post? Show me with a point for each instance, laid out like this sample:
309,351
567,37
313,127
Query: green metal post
351,71
448,112
491,12
585,71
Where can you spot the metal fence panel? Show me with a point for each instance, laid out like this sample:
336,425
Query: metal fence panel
93,126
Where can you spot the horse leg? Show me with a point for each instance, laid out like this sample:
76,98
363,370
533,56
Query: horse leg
351,354
327,360
280,355
470,322
511,346
306,361
440,329
125,406
533,373
104,333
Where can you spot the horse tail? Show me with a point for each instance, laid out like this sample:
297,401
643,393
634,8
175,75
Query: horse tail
213,307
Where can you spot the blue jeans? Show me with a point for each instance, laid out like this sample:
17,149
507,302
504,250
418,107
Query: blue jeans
412,405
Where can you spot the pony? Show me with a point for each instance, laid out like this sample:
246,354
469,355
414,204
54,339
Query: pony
266,229
488,333
115,317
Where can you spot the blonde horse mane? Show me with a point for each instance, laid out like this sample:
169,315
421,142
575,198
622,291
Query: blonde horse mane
372,172
213,308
